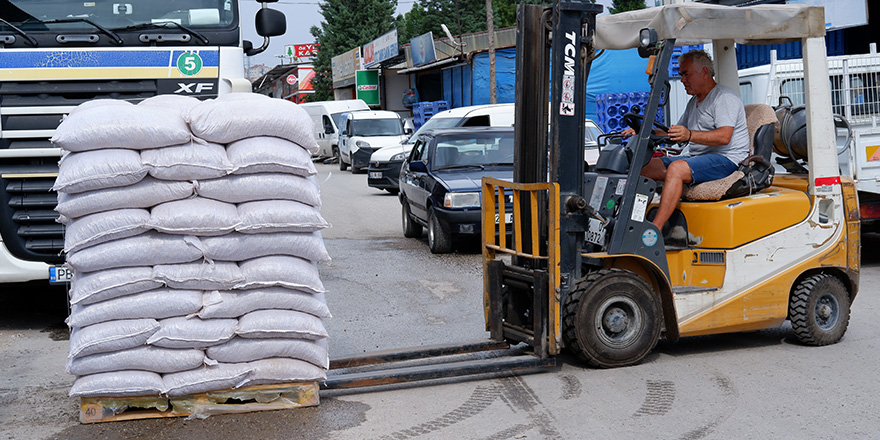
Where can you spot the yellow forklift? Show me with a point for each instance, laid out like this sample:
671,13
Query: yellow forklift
581,268
585,269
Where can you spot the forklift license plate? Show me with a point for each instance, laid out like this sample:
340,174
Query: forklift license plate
508,218
60,275
596,232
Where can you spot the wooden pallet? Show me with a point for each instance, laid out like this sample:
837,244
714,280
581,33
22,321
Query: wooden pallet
241,400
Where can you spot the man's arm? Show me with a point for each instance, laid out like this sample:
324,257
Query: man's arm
718,136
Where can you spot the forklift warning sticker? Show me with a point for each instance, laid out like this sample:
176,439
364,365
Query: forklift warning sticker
566,107
640,207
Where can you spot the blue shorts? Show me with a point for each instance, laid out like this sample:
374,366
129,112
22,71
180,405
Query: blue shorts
705,167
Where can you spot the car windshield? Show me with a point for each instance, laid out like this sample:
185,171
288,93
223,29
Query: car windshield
591,134
473,150
32,15
376,127
433,123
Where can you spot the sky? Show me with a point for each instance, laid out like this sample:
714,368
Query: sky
301,16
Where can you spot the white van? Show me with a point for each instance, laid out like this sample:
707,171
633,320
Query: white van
327,117
385,163
362,130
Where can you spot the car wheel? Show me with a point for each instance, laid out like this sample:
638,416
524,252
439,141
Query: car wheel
411,229
611,318
342,165
439,239
336,154
819,310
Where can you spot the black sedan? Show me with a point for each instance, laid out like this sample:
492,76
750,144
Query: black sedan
440,181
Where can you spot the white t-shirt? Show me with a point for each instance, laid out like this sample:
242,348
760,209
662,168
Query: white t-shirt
721,108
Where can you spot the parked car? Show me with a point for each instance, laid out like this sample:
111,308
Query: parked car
591,142
385,163
361,130
440,181
327,117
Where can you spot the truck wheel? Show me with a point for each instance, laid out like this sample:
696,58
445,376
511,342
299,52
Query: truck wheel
612,318
439,239
819,310
411,229
342,165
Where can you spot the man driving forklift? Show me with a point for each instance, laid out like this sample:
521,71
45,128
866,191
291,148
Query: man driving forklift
713,125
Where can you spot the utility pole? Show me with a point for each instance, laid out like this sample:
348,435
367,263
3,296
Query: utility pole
490,24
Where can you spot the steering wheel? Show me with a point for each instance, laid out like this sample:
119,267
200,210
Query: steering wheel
634,120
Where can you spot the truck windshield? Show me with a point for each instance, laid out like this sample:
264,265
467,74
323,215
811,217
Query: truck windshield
36,15
376,127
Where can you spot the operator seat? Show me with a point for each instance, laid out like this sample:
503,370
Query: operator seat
761,121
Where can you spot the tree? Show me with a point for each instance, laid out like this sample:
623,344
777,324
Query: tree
626,5
347,24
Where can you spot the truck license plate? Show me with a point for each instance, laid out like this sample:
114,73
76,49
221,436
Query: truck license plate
60,275
508,218
596,232
375,174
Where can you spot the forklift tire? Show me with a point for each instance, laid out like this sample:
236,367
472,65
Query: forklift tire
439,239
411,229
612,318
819,310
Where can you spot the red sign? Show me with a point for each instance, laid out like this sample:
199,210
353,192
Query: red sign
305,50
291,79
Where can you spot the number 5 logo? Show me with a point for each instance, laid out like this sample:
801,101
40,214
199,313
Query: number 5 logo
189,63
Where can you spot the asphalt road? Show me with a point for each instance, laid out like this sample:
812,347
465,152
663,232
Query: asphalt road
386,291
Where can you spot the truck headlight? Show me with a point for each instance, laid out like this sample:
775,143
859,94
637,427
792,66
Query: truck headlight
462,200
399,157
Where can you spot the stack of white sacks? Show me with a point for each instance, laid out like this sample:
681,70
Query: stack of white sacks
193,231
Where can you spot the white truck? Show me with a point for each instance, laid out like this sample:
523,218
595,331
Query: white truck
57,54
855,95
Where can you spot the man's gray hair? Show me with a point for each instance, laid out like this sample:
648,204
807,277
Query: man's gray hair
700,59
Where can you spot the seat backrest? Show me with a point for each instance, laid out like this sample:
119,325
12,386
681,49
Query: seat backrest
758,117
445,156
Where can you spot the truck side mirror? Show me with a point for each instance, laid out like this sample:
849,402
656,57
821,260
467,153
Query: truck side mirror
408,131
270,23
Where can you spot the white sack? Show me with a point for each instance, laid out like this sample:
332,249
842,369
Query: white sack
193,332
281,324
235,303
92,287
105,103
111,336
266,154
118,384
190,161
102,227
281,271
195,216
237,116
266,186
156,304
179,104
147,249
282,370
120,126
247,350
279,216
237,246
203,379
99,169
157,360
144,194
200,275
